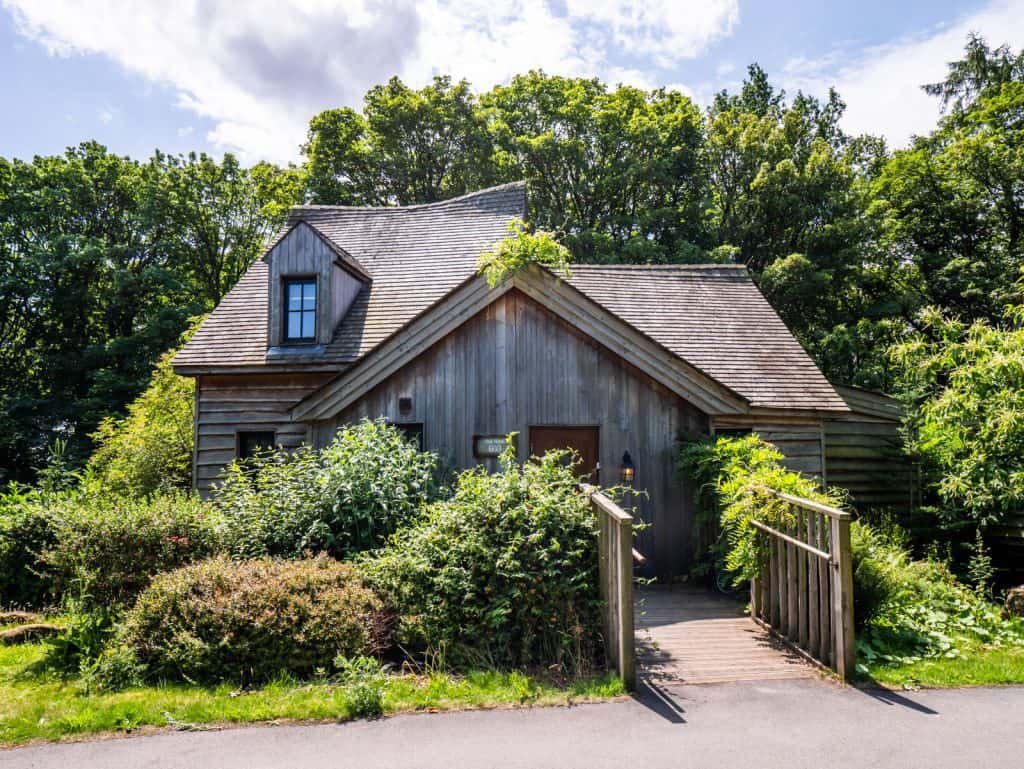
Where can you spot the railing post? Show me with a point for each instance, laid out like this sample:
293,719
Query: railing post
627,654
842,598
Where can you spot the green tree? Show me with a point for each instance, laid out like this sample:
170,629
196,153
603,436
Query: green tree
407,146
615,172
102,262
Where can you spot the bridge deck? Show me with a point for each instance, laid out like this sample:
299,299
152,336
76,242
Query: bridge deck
688,635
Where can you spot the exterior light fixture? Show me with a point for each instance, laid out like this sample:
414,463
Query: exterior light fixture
628,468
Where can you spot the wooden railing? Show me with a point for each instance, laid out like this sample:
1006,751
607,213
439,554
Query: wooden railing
615,551
805,591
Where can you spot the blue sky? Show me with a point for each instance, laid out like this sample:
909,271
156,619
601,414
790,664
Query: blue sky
246,77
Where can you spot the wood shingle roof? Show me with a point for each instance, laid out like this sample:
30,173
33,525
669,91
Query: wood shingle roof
711,316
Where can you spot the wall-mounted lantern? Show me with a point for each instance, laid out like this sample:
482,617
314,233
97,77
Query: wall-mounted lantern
628,468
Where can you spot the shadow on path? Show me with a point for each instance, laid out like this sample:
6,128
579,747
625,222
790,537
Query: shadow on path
878,692
659,700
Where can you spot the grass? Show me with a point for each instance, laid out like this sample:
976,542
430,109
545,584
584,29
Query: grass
979,665
37,706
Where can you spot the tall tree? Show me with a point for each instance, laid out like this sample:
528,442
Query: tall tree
407,146
102,261
617,171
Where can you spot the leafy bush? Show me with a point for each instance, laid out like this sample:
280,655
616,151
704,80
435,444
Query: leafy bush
519,250
26,531
150,449
252,621
343,499
905,609
967,384
106,549
504,573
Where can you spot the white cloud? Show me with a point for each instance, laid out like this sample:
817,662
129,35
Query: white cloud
259,70
882,85
105,115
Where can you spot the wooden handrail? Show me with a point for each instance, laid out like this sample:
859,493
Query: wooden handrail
810,504
793,541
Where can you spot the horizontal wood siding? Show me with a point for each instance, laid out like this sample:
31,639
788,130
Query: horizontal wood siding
800,441
514,365
864,456
227,404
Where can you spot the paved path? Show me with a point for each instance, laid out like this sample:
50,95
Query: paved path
692,636
791,724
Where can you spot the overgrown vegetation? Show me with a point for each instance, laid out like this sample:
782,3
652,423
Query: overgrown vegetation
97,549
504,573
518,251
150,449
343,499
964,384
907,609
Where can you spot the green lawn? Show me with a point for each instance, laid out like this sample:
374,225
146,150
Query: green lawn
38,706
978,666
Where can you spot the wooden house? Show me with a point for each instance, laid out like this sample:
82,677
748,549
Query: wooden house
380,312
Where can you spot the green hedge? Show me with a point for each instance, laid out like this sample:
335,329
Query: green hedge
96,549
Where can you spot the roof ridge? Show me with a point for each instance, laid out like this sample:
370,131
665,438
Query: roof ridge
666,267
521,184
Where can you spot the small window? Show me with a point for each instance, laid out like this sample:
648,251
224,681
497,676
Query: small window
413,431
300,309
255,441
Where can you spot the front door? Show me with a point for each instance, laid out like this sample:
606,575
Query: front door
582,440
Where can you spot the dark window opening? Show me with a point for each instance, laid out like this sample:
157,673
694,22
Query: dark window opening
252,442
413,431
732,432
300,309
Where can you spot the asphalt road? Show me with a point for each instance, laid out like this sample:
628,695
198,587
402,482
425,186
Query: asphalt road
788,724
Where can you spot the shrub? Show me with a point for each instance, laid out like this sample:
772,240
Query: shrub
150,449
346,498
731,475
254,620
503,573
106,549
26,531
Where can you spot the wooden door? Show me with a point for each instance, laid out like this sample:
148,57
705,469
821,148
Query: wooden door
582,440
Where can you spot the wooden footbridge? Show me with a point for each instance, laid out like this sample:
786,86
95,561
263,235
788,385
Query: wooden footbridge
801,606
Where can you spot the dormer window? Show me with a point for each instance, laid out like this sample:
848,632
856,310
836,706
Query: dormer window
300,310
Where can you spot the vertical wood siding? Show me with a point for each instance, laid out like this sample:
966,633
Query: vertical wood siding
227,404
515,365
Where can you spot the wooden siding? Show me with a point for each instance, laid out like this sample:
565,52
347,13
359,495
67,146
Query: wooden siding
228,404
515,364
799,440
864,455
